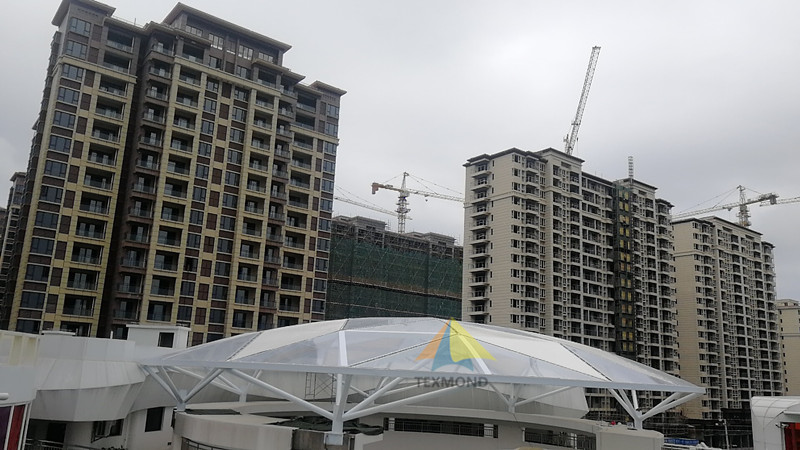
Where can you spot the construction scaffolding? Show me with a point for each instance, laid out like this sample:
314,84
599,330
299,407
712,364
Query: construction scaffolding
374,272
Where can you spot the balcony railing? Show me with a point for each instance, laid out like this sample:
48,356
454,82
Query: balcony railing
300,184
94,209
105,136
138,237
294,244
160,72
154,117
175,192
152,165
141,187
162,49
151,141
256,188
99,184
79,311
286,306
155,93
82,285
101,159
254,209
90,234
296,204
280,173
134,262
105,112
84,259
113,90
125,314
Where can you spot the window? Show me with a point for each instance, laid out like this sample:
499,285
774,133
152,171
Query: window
245,52
225,245
232,178
331,129
204,149
68,96
199,194
266,57
219,292
214,62
243,72
321,264
328,166
46,220
210,105
207,127
320,285
230,200
196,217
240,94
329,148
216,41
55,168
239,114
237,136
63,119
327,185
325,204
227,223
216,316
42,246
194,30
212,85
37,273
324,224
234,157
187,288
34,300
201,171
79,26
154,419
51,194
75,49
332,110
184,313
222,269
323,245
72,72
193,240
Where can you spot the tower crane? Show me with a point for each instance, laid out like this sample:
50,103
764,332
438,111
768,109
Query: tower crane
572,138
366,205
744,213
402,199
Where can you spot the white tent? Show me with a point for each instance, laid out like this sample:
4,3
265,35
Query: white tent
375,364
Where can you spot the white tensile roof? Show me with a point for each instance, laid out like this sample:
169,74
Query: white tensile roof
371,356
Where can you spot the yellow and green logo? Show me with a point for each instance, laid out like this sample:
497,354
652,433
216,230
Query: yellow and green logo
453,345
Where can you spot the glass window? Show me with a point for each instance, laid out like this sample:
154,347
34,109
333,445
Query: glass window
199,194
323,244
42,246
237,136
329,147
232,178
332,110
201,171
55,168
239,114
240,94
245,52
193,240
325,204
63,119
72,72
328,166
216,41
46,220
60,144
327,185
34,300
324,224
196,217
75,49
204,149
37,273
225,245
154,419
331,129
227,223
210,105
207,127
51,194
79,26
68,95
234,156
222,269
212,85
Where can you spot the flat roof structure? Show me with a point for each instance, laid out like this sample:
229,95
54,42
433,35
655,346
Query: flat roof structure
375,364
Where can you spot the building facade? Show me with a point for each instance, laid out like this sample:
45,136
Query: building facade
374,272
8,271
727,315
789,319
180,174
552,249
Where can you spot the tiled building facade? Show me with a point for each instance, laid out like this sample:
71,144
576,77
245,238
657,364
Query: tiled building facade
552,249
179,174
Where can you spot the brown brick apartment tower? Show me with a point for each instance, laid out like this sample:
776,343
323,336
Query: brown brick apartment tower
180,174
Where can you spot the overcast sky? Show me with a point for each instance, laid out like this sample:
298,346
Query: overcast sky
704,95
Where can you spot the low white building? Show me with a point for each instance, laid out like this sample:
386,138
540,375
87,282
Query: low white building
355,383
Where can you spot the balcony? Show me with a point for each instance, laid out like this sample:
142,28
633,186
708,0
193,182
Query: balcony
82,285
155,93
154,117
253,209
188,78
300,184
280,173
257,166
150,140
289,306
92,208
169,267
166,292
101,158
264,104
294,244
139,263
305,107
186,101
296,204
152,165
126,314
79,311
183,123
138,237
112,90
251,231
90,234
164,73
144,188
108,112
293,266
115,67
172,192
97,183
105,135
256,188
180,146
161,49
86,259
259,144
279,151
172,218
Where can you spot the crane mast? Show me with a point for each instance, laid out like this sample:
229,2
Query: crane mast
572,138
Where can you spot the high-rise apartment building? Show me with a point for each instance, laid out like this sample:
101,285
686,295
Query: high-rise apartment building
180,174
16,197
727,315
375,272
789,319
552,249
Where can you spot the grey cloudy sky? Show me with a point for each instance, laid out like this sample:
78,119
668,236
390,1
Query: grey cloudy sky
704,95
